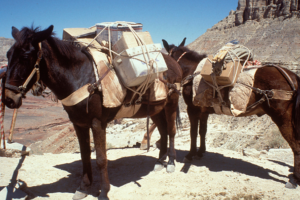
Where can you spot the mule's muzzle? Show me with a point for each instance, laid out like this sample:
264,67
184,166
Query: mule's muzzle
12,100
16,89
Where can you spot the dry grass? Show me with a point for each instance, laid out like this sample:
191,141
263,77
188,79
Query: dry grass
276,141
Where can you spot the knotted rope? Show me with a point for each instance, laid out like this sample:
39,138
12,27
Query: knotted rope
150,62
235,59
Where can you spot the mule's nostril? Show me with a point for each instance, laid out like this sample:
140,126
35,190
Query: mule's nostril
9,102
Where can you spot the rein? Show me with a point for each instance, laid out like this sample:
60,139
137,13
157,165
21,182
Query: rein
21,89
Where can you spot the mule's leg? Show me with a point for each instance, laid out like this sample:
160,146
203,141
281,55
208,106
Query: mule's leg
85,150
193,113
287,130
99,134
171,111
161,122
144,141
202,133
288,133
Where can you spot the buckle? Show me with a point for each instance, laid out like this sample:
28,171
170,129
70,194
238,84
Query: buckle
270,94
91,89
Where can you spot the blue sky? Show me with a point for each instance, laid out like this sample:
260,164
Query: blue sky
171,20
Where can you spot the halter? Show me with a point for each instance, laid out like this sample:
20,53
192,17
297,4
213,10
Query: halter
170,54
21,89
181,56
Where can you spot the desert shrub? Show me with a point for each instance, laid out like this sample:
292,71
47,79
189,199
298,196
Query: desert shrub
276,141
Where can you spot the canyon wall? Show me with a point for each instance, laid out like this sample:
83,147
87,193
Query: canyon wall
270,28
5,44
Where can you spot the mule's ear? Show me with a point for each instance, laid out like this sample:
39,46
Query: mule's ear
42,35
14,32
183,42
166,45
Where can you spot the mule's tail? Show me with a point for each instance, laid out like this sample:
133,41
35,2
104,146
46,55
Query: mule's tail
297,111
178,119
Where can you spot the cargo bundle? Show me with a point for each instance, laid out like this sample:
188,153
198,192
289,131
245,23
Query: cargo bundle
131,52
224,67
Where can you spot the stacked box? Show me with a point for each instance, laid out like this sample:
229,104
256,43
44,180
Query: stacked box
116,30
131,64
80,36
128,40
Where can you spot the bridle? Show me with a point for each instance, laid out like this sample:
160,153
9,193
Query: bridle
21,89
170,54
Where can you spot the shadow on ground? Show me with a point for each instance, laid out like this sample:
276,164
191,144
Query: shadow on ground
120,172
217,162
133,168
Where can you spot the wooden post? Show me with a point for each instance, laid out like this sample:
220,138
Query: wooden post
1,123
2,107
12,126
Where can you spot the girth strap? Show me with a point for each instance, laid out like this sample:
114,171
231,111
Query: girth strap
287,77
270,94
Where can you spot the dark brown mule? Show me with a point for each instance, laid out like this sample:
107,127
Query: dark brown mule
64,68
284,113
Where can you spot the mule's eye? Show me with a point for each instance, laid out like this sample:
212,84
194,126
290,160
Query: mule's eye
26,54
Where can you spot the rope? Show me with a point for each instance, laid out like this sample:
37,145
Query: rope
150,63
236,62
36,69
1,119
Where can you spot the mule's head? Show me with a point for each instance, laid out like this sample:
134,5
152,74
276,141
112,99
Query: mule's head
22,60
187,59
173,50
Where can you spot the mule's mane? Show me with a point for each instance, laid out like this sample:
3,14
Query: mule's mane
62,49
191,55
25,35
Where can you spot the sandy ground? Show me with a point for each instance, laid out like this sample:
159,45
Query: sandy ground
240,162
220,174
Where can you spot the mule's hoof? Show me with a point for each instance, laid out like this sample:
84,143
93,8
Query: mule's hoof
103,198
170,168
158,167
290,185
79,194
143,147
185,160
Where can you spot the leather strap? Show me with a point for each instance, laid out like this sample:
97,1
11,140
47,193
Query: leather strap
77,96
82,93
288,78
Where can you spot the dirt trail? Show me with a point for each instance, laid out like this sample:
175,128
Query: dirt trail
240,163
220,174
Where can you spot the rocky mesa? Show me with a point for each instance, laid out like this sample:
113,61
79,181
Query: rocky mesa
270,28
5,44
244,158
